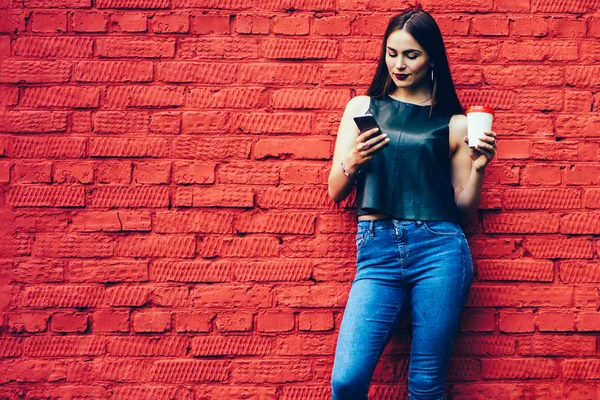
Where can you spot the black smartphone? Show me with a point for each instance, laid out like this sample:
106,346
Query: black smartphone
366,122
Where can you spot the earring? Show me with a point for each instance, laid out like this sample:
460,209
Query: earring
431,74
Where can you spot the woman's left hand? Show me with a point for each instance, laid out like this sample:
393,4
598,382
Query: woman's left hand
484,151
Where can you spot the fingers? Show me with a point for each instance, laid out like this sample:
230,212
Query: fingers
371,142
378,146
363,137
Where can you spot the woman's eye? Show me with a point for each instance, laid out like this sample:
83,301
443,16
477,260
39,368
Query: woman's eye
392,55
411,57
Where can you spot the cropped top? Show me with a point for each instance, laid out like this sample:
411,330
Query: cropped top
410,177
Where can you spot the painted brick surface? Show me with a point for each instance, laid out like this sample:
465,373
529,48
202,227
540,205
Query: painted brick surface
166,229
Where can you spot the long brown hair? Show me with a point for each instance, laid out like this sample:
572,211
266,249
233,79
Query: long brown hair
423,28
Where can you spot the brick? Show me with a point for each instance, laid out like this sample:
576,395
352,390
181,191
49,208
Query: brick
457,6
485,346
165,123
311,392
276,223
270,371
30,322
539,51
128,22
530,26
275,321
126,123
521,223
296,197
184,371
516,322
577,101
305,5
218,49
522,296
136,346
531,76
30,271
491,390
583,76
69,322
11,347
113,172
284,74
231,296
301,173
499,100
502,175
580,223
128,147
250,173
234,321
48,22
211,24
286,270
128,296
34,71
311,99
194,173
108,271
208,121
33,122
568,6
560,247
331,26
212,246
112,71
196,72
222,196
31,371
555,320
477,321
63,97
272,123
294,24
316,321
558,346
591,198
230,345
53,47
74,245
152,172
144,97
579,271
40,296
586,297
567,126
156,246
170,23
320,295
135,47
13,22
335,74
304,344
587,322
45,196
542,175
152,321
193,222
226,98
515,270
519,369
252,24
32,172
489,26
57,4
84,22
302,49
110,321
193,322
300,149
541,199
65,346
214,149
136,4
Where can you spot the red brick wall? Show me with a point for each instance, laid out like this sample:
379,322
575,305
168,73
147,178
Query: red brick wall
166,227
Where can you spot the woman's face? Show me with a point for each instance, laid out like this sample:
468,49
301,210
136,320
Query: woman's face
407,62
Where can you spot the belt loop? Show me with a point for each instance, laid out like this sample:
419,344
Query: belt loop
372,228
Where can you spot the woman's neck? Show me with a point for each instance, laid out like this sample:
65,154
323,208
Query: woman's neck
422,95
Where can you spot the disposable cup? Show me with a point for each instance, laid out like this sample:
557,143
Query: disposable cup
479,120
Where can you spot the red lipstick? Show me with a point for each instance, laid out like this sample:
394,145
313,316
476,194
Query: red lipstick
401,77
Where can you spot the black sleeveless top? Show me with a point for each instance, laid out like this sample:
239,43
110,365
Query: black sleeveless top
410,177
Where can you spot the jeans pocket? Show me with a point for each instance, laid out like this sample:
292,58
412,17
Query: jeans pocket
361,238
442,228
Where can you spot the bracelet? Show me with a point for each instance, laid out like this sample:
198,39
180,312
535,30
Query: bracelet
347,172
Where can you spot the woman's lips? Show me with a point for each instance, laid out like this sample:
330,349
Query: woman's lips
401,77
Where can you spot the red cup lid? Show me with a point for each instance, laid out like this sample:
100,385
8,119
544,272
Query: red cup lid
484,109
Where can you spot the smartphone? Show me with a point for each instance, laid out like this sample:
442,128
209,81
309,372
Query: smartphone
366,122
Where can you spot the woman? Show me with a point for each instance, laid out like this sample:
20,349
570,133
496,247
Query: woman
416,179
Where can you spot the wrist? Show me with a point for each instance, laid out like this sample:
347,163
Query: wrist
351,165
349,171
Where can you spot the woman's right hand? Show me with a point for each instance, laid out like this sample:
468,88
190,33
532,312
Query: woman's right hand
367,144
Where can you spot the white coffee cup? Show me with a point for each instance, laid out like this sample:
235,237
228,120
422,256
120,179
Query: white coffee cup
479,120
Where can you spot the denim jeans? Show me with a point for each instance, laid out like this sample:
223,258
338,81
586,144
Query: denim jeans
424,266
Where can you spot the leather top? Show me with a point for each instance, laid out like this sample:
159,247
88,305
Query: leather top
410,178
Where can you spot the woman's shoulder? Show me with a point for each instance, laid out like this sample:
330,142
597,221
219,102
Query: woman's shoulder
458,122
359,104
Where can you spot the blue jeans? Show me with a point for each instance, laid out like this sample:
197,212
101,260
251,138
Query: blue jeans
421,265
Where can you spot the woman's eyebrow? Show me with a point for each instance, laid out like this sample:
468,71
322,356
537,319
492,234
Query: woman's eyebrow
405,51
